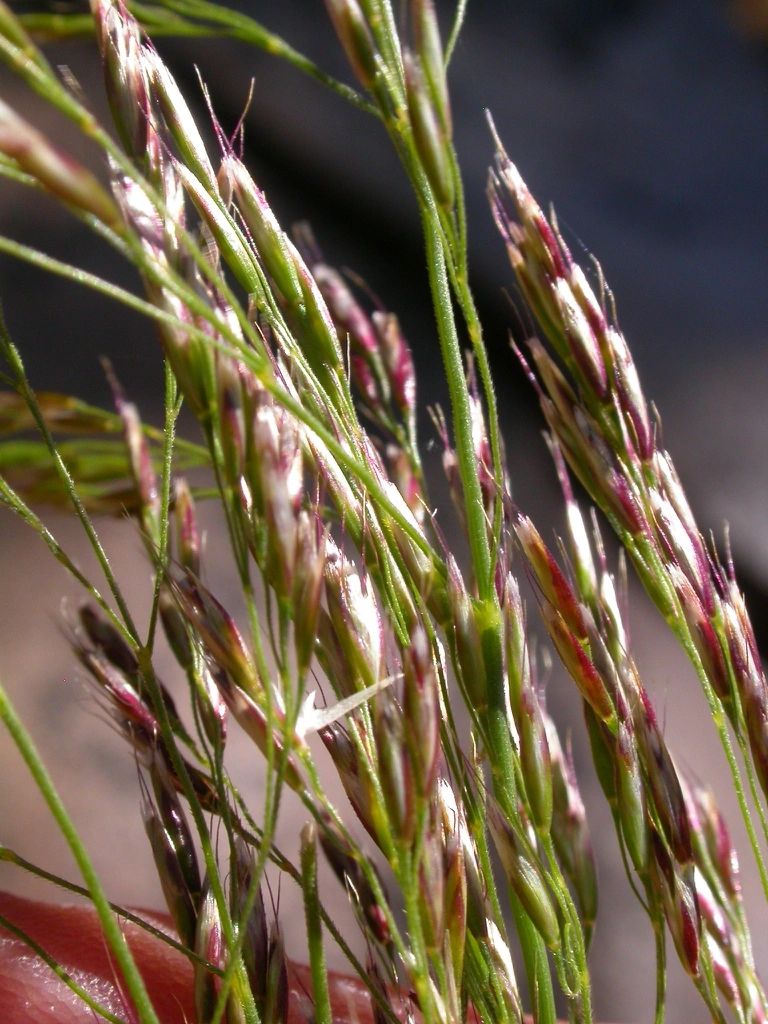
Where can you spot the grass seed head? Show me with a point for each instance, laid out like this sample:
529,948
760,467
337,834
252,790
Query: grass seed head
308,578
631,799
592,686
429,127
570,831
429,48
526,878
179,120
265,232
355,616
355,37
673,886
211,948
421,713
124,74
395,769
54,170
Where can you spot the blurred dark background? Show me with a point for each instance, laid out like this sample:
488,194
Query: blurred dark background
645,124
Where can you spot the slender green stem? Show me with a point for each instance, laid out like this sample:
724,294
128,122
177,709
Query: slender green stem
445,268
650,566
577,948
460,405
109,923
327,919
11,170
248,30
209,856
659,938
320,991
707,986
14,359
409,885
82,993
181,771
502,761
460,282
276,766
214,21
371,877
536,961
347,456
51,90
11,857
97,284
458,21
681,631
172,409
11,500
536,964
755,790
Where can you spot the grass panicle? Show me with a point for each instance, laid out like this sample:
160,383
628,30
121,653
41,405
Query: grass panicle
463,846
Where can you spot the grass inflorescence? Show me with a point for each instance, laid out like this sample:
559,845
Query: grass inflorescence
303,387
